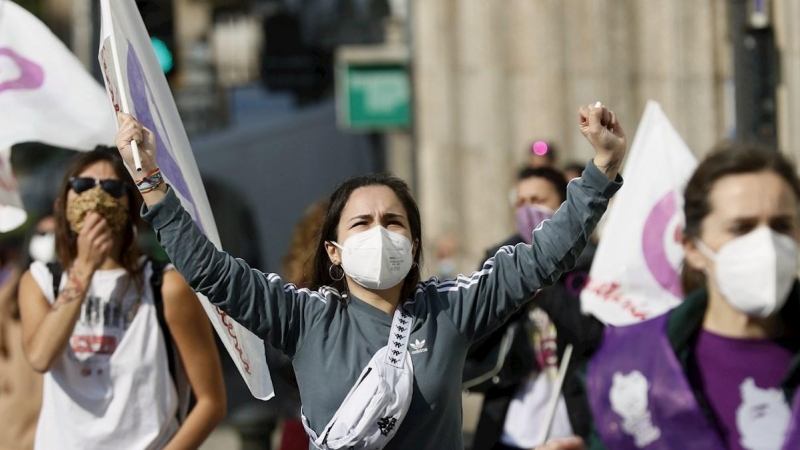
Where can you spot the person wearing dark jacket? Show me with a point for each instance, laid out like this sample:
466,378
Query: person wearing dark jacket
515,366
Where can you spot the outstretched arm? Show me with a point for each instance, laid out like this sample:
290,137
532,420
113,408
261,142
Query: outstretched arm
481,302
260,302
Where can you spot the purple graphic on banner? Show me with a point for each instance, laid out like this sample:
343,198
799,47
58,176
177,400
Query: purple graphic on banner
143,101
655,253
31,74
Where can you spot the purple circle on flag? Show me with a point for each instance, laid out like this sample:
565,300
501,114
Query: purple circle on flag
654,237
31,74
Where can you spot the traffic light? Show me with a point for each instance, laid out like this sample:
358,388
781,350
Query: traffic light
159,20
289,65
164,54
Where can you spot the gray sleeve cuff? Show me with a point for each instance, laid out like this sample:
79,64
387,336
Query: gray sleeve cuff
163,212
594,179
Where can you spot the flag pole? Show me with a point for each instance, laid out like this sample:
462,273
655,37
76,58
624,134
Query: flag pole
556,395
123,99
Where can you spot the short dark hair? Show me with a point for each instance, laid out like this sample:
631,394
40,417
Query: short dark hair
727,158
554,176
321,273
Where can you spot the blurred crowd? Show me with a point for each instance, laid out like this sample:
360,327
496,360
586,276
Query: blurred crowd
719,369
104,344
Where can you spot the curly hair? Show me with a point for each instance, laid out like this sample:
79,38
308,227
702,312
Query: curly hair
298,262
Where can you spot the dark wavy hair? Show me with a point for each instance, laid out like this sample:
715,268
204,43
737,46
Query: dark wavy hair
727,158
329,232
67,240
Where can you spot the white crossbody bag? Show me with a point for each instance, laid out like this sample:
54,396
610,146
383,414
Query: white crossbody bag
376,405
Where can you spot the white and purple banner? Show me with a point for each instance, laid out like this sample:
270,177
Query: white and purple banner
636,270
46,95
136,85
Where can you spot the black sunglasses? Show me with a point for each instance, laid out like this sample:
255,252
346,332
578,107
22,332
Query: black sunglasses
115,188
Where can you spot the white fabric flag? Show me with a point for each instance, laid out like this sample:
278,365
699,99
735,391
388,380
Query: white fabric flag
136,85
636,270
46,95
12,212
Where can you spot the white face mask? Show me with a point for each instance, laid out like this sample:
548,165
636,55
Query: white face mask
755,272
377,258
42,247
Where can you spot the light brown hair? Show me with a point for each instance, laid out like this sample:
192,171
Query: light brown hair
299,261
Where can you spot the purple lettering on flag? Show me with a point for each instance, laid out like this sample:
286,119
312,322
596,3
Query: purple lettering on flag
31,74
143,101
655,253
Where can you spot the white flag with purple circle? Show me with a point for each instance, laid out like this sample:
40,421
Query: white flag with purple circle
136,85
46,95
635,274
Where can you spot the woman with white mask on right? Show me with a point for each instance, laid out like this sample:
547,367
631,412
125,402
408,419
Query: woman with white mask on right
721,371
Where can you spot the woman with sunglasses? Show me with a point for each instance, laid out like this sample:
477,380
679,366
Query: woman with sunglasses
99,342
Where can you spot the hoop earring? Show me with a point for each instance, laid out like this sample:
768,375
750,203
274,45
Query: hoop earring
330,273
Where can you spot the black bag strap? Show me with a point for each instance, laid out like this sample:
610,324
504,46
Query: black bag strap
55,271
156,282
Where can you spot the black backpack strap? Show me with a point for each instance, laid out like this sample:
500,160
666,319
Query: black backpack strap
177,373
55,271
156,282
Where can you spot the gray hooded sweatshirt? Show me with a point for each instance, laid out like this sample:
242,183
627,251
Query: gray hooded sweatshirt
330,343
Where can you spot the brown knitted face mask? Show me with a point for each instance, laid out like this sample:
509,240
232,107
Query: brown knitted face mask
101,202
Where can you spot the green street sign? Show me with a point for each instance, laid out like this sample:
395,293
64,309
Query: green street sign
375,96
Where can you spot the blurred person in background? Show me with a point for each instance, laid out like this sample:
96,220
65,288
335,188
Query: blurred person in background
573,170
518,384
298,264
102,332
367,291
721,370
20,386
42,243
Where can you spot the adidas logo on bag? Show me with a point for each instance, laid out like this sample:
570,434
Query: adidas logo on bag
418,346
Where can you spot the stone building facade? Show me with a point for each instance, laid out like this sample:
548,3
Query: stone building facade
490,77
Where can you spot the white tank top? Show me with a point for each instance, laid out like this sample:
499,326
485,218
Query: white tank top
112,387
